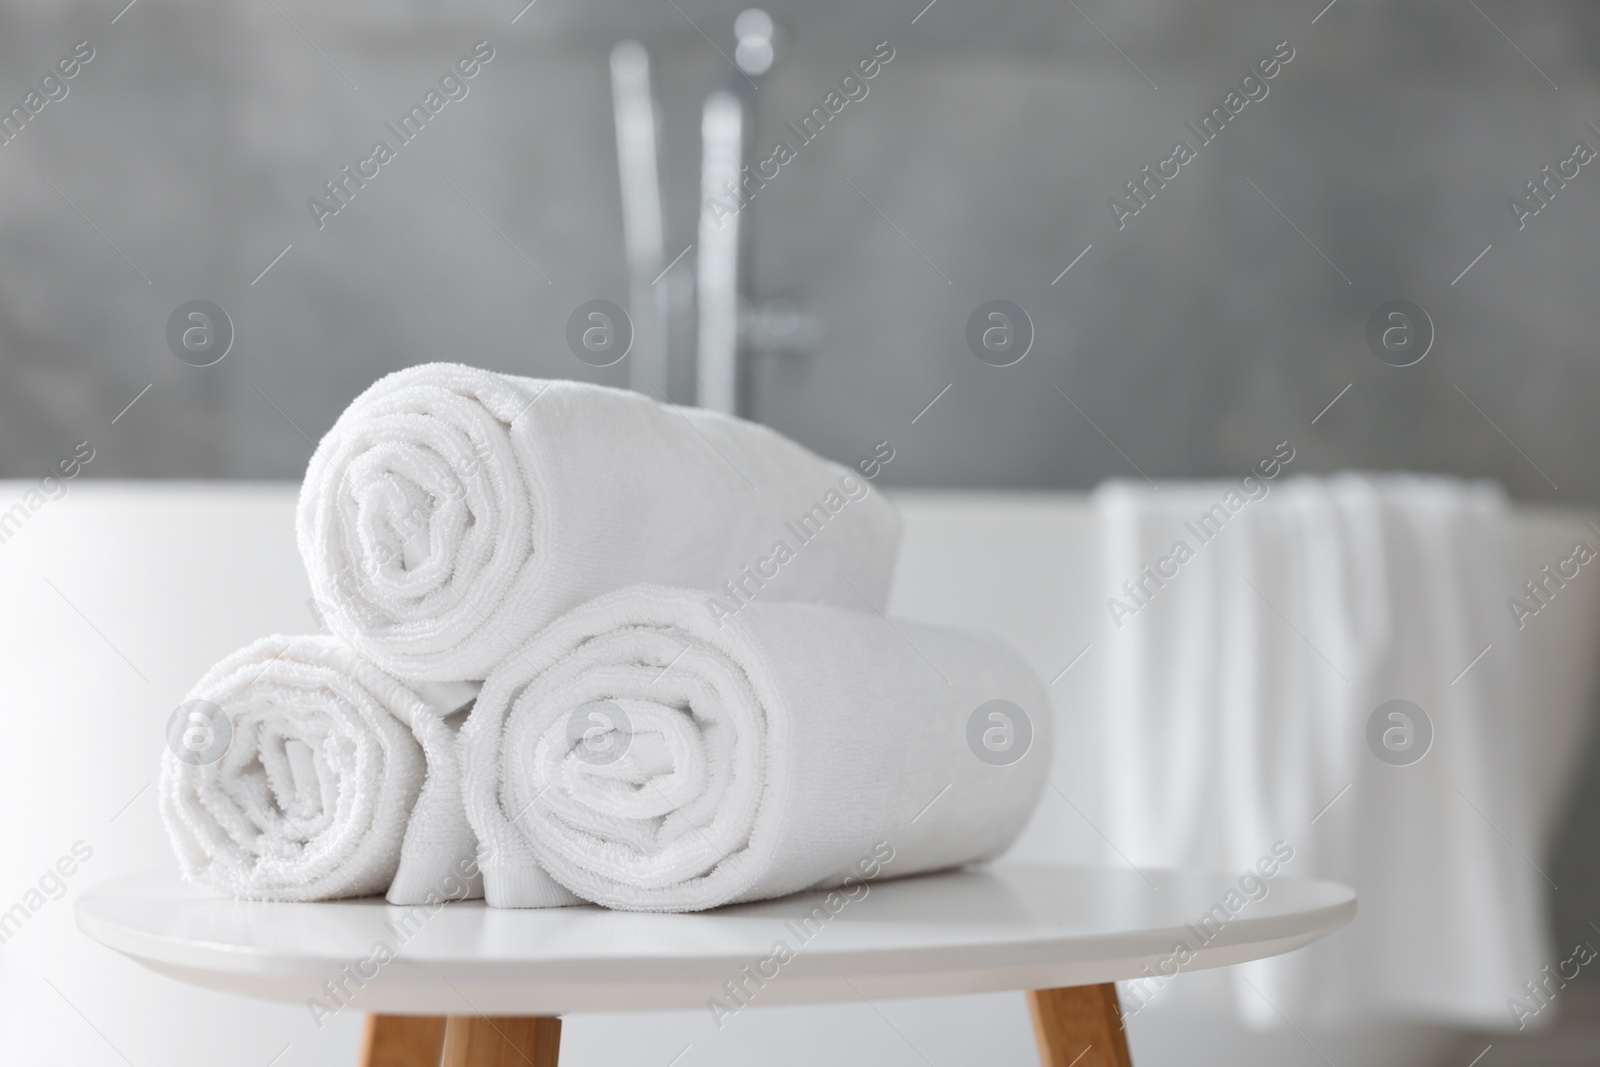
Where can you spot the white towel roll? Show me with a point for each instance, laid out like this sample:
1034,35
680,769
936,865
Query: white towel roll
651,756
324,778
452,512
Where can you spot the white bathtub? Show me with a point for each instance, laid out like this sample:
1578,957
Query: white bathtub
119,595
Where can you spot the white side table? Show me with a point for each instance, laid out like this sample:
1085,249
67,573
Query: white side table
484,987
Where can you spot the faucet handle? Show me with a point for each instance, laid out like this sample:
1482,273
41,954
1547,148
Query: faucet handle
779,327
755,32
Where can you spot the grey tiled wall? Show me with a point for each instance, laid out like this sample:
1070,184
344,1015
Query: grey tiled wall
1223,318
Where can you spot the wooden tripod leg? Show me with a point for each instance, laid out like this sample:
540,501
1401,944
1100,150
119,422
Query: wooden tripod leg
502,1041
1079,1026
402,1041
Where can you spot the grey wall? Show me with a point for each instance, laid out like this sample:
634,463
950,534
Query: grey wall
1190,342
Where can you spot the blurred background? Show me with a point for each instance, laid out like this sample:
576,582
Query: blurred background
1229,313
1226,315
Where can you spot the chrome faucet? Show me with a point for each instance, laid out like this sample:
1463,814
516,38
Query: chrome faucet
643,226
731,323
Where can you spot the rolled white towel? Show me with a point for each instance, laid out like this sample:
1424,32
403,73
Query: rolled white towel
452,512
300,771
651,757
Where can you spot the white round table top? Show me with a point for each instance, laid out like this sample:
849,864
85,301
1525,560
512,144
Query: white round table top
977,930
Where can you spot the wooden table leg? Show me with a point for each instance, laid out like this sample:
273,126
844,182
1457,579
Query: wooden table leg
1080,1026
502,1041
403,1041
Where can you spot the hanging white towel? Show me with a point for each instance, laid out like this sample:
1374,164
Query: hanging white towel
451,512
331,779
1256,632
651,756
